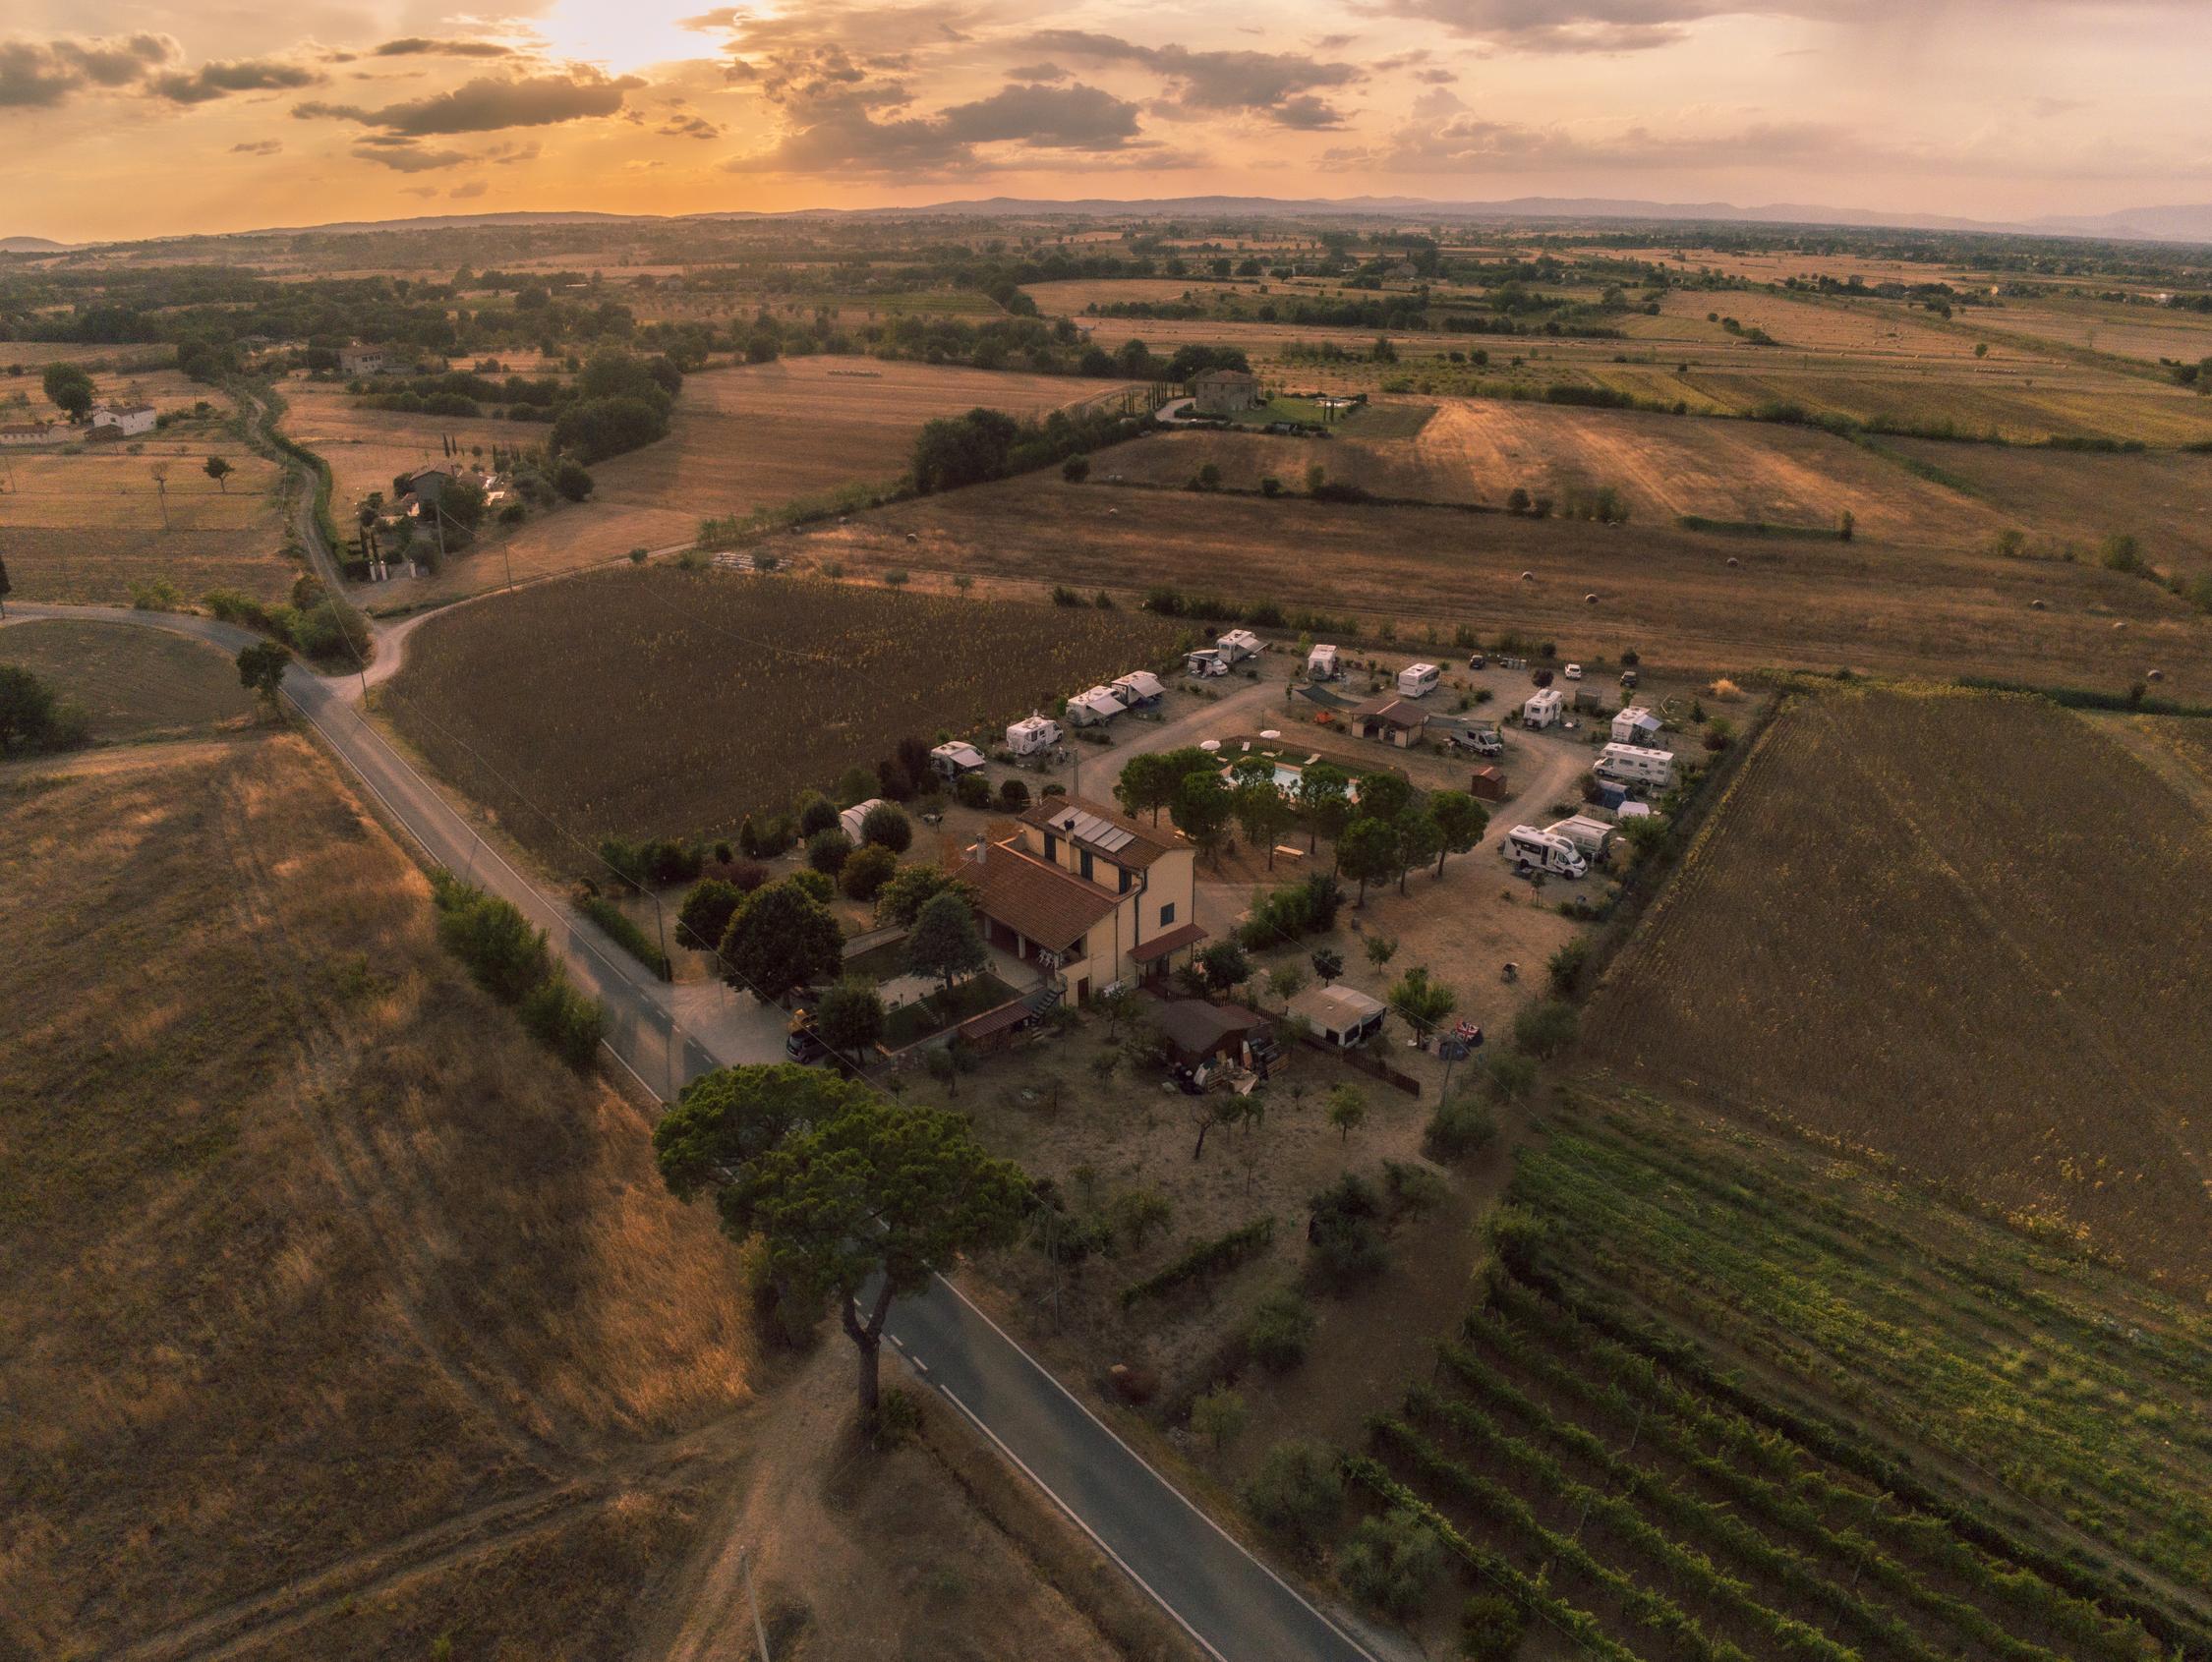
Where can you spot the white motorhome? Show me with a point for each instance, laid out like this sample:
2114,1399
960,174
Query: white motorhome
1340,1015
1418,680
1032,734
1542,707
1527,849
1139,686
1636,766
959,757
1636,725
1591,835
1089,708
1323,664
1237,645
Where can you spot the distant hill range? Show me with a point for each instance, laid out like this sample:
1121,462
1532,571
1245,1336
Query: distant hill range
2179,223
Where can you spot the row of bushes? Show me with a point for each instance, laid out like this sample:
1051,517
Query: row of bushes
507,958
316,623
626,933
1201,1260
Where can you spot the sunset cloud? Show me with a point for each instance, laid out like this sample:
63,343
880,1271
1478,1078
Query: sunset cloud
489,105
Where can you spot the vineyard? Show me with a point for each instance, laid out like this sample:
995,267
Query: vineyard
654,701
1961,932
1770,1490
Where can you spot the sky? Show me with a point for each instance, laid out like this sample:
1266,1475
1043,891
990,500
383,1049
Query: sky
136,118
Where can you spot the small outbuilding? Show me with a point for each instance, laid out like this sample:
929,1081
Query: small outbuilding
1340,1015
1391,718
1488,784
1194,1032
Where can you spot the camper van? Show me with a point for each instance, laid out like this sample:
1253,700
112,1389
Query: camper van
1541,709
1238,645
1032,734
1636,766
1205,661
1528,849
1140,687
1323,664
951,760
1094,705
1591,837
1418,680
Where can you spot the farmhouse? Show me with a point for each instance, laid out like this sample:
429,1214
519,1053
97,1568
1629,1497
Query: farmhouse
425,484
1092,897
1223,392
360,360
1391,718
130,419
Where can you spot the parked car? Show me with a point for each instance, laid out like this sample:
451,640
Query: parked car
1573,672
1477,661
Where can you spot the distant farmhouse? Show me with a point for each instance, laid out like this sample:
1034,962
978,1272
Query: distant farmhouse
127,420
360,360
1223,392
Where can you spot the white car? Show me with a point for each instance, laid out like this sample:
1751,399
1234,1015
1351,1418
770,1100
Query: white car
1572,672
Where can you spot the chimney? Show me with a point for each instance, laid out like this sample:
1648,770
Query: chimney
982,845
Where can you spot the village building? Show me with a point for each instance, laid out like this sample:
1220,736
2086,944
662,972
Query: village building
1089,896
360,360
1391,718
1223,392
127,420
27,432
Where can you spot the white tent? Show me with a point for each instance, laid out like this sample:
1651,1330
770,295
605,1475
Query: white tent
850,822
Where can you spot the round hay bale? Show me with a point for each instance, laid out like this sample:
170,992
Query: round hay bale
2036,606
2154,674
2120,625
1733,562
1590,600
1528,577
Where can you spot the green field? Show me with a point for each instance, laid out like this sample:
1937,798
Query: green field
131,683
1729,1398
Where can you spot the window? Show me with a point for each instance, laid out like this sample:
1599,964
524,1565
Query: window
1124,870
1052,848
1086,861
1167,914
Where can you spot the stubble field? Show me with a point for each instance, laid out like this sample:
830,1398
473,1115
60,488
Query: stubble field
1671,595
1964,932
656,701
131,683
1479,450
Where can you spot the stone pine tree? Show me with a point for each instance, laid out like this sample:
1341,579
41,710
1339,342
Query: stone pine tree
1460,819
856,1200
781,941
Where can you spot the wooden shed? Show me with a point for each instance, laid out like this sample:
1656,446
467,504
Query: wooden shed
1488,784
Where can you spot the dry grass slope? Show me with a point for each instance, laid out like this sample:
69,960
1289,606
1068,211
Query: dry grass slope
131,683
310,1249
1964,932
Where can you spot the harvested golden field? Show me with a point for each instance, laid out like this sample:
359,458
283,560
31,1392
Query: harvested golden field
81,526
320,1276
742,438
653,701
2059,497
1479,450
131,683
2023,402
1070,297
1965,932
1669,594
2149,333
1863,329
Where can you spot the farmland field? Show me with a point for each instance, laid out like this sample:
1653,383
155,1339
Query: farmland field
1669,593
2059,497
1478,450
2021,402
81,526
742,438
1964,932
1730,1396
658,702
309,1248
131,682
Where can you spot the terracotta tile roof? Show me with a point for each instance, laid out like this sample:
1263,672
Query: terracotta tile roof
1052,907
1397,711
1196,1028
1160,946
1145,843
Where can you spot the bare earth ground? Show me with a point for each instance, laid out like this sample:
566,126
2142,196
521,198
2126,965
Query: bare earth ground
80,527
1479,450
131,683
1669,594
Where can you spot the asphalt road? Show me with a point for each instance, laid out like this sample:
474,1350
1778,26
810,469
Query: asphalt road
1232,1605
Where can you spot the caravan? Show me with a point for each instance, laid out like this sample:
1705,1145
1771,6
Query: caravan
1095,706
1323,664
1592,837
1205,661
1541,709
1636,767
1528,849
1418,680
1140,689
1033,735
951,759
1238,645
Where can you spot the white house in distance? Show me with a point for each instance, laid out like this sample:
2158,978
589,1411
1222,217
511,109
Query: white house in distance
360,360
1542,707
130,419
1636,725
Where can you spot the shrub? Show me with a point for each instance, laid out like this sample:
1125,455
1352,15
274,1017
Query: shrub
625,933
886,826
1344,1233
1412,1187
1489,1629
827,850
493,941
1545,1030
1201,1260
1390,1562
1076,468
1566,966
972,790
867,871
1134,1214
1014,795
1298,1492
566,1021
707,910
1511,1077
1218,1415
1281,1327
1462,1127
816,813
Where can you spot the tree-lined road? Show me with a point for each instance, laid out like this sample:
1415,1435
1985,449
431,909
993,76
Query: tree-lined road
1235,1608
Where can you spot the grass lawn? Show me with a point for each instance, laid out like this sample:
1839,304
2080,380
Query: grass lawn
940,1011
